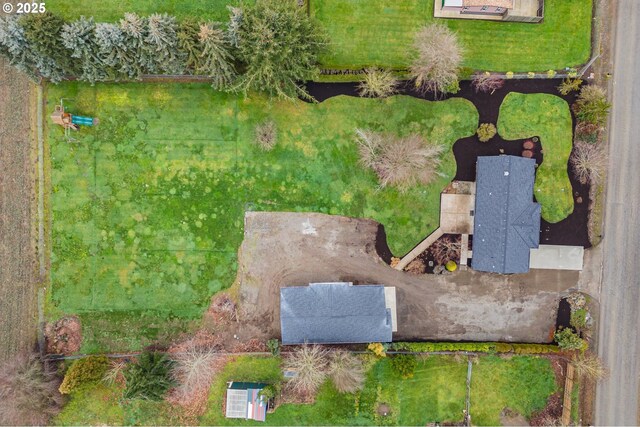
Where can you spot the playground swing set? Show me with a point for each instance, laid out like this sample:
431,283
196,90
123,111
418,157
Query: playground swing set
70,121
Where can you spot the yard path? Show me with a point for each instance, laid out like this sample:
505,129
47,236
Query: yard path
619,346
18,266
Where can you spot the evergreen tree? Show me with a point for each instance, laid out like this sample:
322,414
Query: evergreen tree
279,46
14,45
236,15
113,51
161,44
43,33
79,38
216,59
189,44
137,60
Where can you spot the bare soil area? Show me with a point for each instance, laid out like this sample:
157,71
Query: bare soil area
18,268
289,249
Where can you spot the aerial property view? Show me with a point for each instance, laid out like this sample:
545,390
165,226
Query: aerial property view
307,212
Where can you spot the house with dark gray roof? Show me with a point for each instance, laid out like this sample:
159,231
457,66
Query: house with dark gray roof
336,313
506,219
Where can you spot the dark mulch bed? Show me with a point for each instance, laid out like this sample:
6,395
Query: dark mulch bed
570,231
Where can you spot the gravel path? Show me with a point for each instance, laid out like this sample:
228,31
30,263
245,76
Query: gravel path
18,233
619,346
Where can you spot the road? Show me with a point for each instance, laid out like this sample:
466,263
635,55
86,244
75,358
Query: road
619,346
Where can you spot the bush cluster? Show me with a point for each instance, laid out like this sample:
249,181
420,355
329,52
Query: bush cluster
486,131
479,347
148,378
592,105
88,370
567,339
268,46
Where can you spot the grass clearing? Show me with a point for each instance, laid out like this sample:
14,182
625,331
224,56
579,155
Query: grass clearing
148,206
368,33
549,117
521,383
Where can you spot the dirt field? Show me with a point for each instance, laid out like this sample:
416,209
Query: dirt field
18,268
287,249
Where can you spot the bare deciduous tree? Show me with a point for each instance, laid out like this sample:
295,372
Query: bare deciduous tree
486,82
589,162
446,248
400,162
377,83
310,362
438,59
28,393
192,371
346,371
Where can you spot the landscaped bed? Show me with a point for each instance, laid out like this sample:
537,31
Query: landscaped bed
368,33
148,206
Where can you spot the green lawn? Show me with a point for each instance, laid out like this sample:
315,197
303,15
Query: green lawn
112,10
521,383
379,32
148,206
549,117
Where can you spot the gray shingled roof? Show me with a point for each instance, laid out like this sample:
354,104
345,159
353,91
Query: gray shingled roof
507,221
332,313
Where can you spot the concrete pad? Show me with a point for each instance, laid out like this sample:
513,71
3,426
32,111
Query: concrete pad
456,213
390,302
556,257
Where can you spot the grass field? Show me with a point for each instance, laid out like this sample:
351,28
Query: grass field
148,206
437,392
521,383
549,117
376,32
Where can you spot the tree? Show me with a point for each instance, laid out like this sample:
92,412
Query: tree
592,105
189,44
148,378
486,131
346,371
161,44
567,339
216,60
79,37
42,32
589,162
112,51
14,45
28,392
137,60
438,58
377,83
401,162
278,45
236,16
487,82
192,371
309,362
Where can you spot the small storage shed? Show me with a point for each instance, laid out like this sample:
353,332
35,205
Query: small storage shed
244,401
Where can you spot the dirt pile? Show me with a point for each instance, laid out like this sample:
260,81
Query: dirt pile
64,336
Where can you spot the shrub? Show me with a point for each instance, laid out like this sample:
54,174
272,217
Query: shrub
401,162
310,364
487,82
579,318
588,132
589,162
592,105
378,349
446,248
404,364
377,83
266,135
28,393
509,74
531,74
551,73
589,366
274,346
278,45
148,378
479,347
567,339
192,371
439,55
528,145
486,131
115,372
88,370
569,85
346,371
271,391
527,153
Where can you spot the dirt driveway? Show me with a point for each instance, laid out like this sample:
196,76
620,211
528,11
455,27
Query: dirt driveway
18,273
286,249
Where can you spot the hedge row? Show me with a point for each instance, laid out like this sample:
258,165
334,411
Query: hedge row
479,347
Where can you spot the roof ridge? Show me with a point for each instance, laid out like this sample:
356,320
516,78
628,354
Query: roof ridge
506,213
